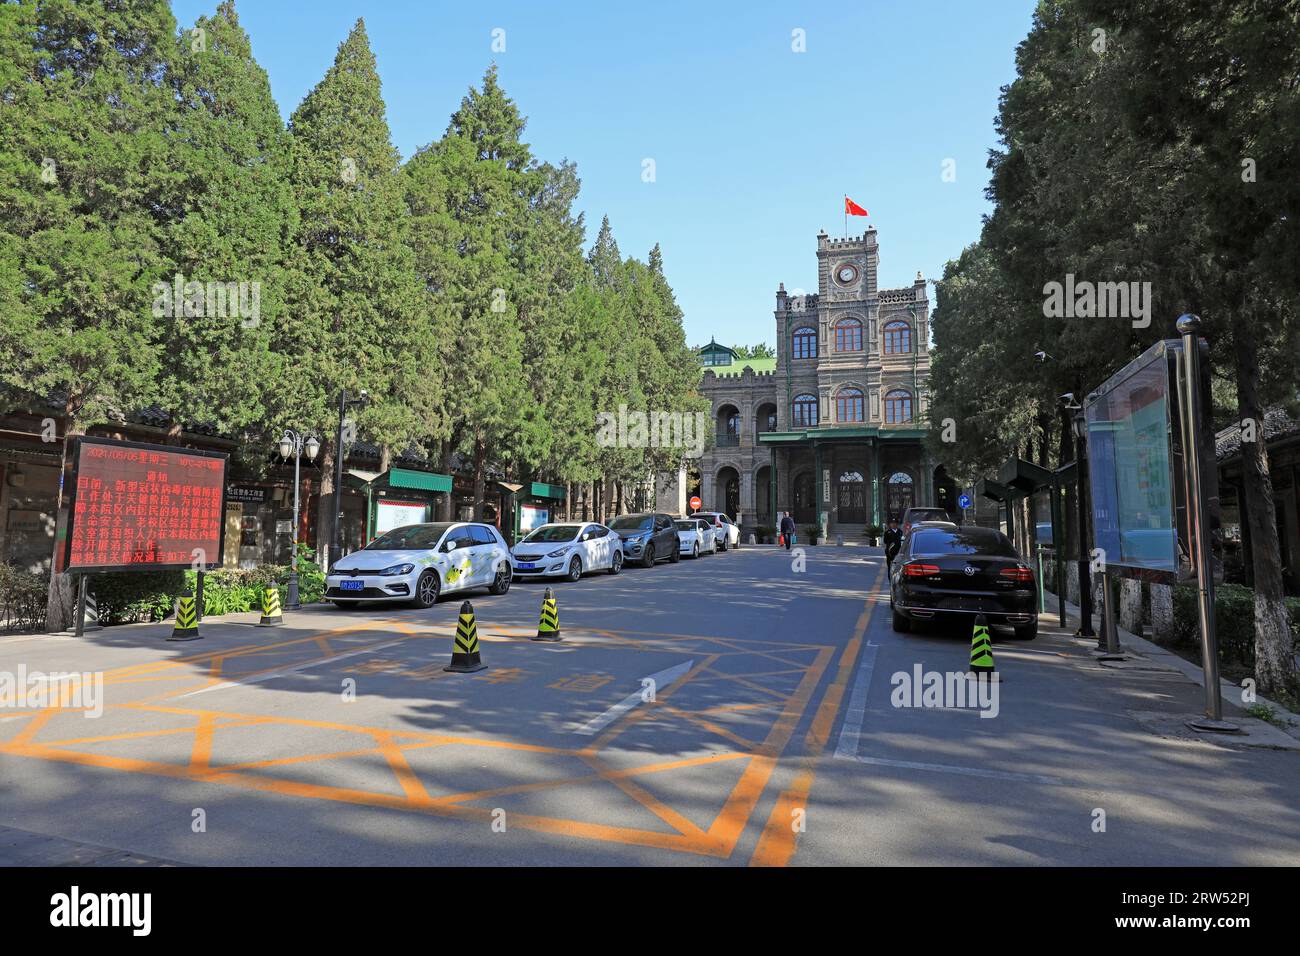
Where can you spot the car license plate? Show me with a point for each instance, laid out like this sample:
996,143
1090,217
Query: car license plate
352,585
526,565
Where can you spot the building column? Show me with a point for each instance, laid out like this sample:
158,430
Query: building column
706,488
784,497
876,490
746,509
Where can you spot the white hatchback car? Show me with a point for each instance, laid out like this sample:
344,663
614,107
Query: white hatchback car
568,549
420,562
728,531
696,537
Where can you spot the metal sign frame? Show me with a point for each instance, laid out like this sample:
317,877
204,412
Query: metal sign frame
1168,355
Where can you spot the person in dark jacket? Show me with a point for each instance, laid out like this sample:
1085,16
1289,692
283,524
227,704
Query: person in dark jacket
787,530
893,541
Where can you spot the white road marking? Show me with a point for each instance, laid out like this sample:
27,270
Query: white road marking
846,747
289,670
963,771
662,681
851,730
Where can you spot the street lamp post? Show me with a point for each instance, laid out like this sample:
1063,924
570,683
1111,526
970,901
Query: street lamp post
345,402
1085,579
292,443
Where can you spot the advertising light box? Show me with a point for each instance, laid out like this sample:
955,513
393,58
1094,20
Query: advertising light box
144,507
1136,472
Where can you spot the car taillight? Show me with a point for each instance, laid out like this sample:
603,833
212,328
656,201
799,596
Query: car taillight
918,570
1019,575
906,528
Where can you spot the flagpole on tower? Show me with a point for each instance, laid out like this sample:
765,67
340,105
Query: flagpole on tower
846,215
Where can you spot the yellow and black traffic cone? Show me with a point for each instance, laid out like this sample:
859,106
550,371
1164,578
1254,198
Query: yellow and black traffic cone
271,615
548,628
464,654
981,648
187,620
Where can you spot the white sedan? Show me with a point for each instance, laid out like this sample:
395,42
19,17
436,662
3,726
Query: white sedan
695,537
568,549
728,531
420,562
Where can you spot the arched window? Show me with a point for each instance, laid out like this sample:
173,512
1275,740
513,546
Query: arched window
805,342
805,411
848,335
848,405
898,338
898,407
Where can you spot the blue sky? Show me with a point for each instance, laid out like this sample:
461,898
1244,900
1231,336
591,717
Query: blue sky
754,145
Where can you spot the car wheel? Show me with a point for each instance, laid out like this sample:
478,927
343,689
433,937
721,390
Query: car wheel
695,550
575,569
1027,632
901,624
501,583
676,555
722,545
648,556
426,589
616,565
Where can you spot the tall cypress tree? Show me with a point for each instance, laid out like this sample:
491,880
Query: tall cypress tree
360,320
230,218
84,114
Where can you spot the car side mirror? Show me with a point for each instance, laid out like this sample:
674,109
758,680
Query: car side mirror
449,547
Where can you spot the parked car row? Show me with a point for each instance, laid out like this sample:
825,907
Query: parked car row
419,563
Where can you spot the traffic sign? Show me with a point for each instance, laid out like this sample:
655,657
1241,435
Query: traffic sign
695,503
964,501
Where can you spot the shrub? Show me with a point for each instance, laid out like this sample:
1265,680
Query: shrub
127,597
766,533
1234,620
23,598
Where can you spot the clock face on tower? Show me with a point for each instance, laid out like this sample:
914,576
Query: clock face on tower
846,274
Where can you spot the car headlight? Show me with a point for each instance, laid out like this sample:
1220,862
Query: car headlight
559,552
397,569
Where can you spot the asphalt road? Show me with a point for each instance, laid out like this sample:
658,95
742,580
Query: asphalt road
772,738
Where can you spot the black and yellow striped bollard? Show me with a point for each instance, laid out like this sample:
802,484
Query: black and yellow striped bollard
187,620
981,648
464,653
271,615
548,628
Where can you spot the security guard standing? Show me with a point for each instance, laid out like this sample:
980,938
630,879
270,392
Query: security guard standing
893,541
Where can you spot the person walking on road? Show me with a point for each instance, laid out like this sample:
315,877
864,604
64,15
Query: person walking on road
787,530
893,541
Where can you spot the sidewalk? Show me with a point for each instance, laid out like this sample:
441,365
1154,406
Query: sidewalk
1153,654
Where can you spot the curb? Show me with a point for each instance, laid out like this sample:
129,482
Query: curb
1167,657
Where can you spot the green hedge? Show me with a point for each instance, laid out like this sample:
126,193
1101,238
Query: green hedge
1234,620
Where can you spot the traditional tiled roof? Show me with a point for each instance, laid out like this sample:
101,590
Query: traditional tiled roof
1278,425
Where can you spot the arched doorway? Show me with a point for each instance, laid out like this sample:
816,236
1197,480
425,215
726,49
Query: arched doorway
851,498
804,506
726,487
900,495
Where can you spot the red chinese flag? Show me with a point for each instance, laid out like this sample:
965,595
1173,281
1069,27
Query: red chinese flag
853,209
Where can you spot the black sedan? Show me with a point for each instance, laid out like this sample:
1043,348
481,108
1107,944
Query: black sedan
952,574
